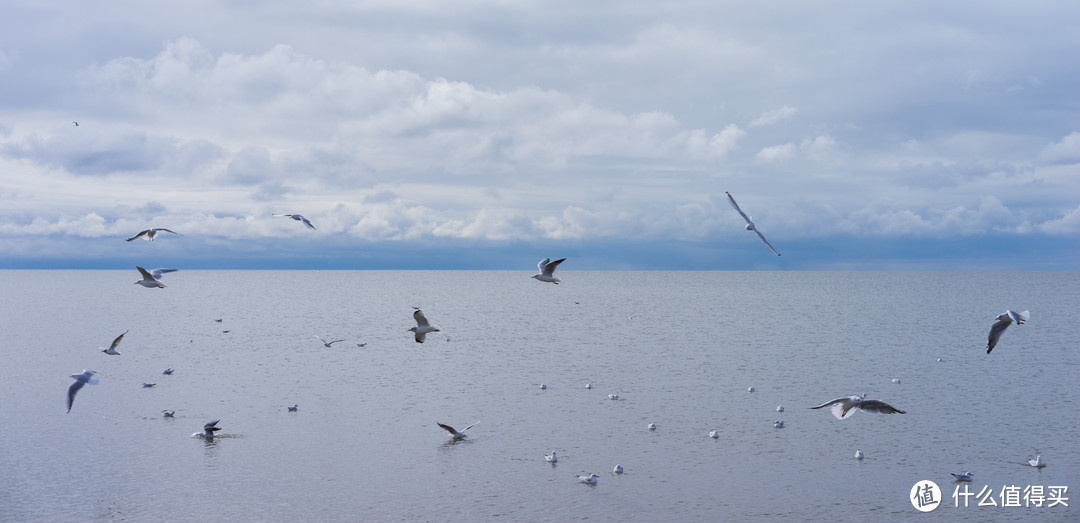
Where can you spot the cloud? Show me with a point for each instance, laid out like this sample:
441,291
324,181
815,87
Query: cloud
773,116
1065,151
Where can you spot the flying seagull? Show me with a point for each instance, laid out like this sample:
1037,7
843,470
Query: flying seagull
111,351
457,435
547,270
750,224
422,326
299,218
208,430
152,278
325,343
843,408
1003,321
87,376
962,477
150,233
76,124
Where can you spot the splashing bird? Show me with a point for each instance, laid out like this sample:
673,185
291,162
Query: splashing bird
457,435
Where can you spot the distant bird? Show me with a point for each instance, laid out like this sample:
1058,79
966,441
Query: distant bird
779,408
422,326
325,343
152,278
778,424
299,218
150,233
148,385
361,344
751,389
714,434
750,224
652,426
111,351
858,454
843,408
963,477
167,372
218,320
547,270
552,458
896,380
543,386
590,479
940,360
294,407
87,376
208,430
588,386
76,124
618,469
613,396
1037,462
1003,321
168,413
457,435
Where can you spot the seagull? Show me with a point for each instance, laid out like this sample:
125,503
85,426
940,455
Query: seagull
590,479
750,224
361,345
778,424
299,218
150,233
167,372
547,270
422,326
613,396
325,343
543,386
714,434
896,380
652,426
843,408
208,430
148,385
779,408
457,435
76,124
751,389
1037,462
168,413
1003,321
111,351
218,320
963,477
294,407
152,278
552,458
858,454
588,386
87,376
618,469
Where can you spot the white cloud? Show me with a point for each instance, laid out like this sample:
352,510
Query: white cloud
773,116
776,153
1067,150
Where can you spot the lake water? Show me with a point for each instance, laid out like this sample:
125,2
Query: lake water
679,348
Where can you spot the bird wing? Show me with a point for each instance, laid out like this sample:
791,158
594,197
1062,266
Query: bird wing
320,339
141,233
421,320
307,222
447,428
1018,317
549,268
420,337
543,263
158,272
117,341
470,426
333,342
766,242
878,406
750,223
285,215
166,230
211,424
74,388
832,402
995,333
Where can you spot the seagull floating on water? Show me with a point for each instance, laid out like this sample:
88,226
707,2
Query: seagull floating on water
618,469
613,396
422,327
590,479
87,376
150,233
858,454
361,345
543,386
299,218
547,270
778,424
588,386
457,435
1003,321
963,477
1037,462
294,407
168,413
111,351
208,430
714,434
325,343
152,278
167,372
779,408
750,224
896,380
551,458
843,408
148,385
652,426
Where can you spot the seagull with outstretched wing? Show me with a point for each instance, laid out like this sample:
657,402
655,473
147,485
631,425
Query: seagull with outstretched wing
750,224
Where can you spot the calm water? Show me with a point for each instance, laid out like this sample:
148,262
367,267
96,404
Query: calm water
679,348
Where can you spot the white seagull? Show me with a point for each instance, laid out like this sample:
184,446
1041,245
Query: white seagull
87,376
294,407
208,430
552,458
299,218
422,326
618,469
151,279
547,270
167,372
457,435
714,434
150,233
613,396
1037,462
859,454
111,351
750,224
779,408
590,479
1003,321
844,407
963,477
652,426
325,343
778,424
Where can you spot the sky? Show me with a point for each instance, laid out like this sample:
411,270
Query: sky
488,134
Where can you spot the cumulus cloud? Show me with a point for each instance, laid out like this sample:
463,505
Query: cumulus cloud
1067,150
773,116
